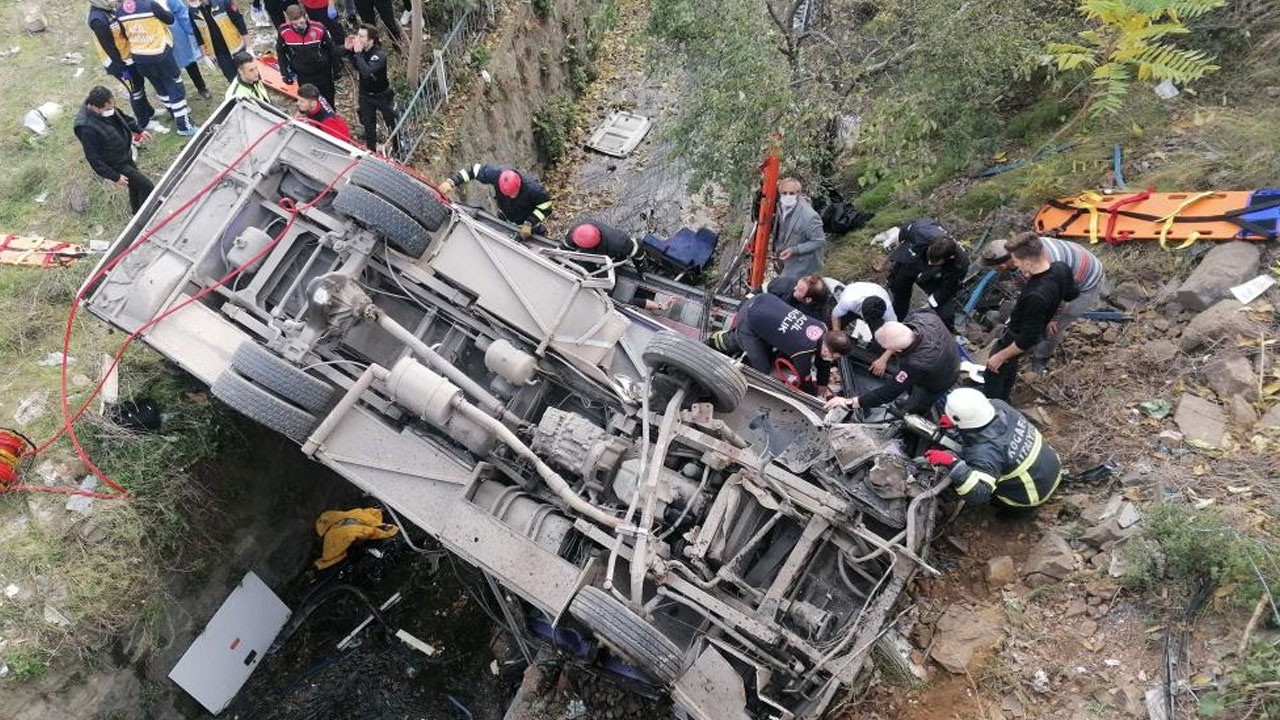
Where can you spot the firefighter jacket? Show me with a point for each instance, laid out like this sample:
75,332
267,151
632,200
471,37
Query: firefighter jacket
219,28
932,362
614,243
109,41
532,204
306,54
769,329
1006,461
146,25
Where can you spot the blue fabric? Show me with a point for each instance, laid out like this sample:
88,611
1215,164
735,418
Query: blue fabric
1267,219
185,50
688,249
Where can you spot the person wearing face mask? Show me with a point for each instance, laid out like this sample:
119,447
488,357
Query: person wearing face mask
798,239
307,53
108,137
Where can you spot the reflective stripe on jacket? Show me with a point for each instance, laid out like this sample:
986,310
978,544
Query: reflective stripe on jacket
223,24
1006,461
101,20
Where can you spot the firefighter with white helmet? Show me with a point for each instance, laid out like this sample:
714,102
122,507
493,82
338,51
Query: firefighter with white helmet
1004,460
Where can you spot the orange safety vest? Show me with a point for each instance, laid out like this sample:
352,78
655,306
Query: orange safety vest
148,35
122,44
230,34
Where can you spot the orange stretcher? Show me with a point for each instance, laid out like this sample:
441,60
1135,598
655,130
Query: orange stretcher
269,70
1181,218
38,252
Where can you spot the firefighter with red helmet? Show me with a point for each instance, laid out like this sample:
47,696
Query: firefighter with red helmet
520,197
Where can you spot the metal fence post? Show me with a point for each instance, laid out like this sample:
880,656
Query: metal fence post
442,80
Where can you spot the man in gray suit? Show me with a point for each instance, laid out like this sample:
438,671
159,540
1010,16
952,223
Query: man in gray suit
797,232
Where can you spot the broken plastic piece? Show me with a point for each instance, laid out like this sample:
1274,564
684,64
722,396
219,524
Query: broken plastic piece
1249,291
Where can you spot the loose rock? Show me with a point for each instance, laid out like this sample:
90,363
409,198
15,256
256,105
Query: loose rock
1271,419
1000,571
1052,558
1129,295
1232,377
1200,420
963,636
1128,516
1226,265
1104,534
1223,323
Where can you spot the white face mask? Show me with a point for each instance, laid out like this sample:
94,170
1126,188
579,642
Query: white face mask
108,112
787,201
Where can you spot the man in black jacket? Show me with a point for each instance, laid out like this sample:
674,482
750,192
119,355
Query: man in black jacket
520,197
1004,460
928,361
376,95
306,52
1048,285
927,256
108,136
782,341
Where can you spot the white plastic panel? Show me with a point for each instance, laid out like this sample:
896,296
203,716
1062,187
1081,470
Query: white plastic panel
221,660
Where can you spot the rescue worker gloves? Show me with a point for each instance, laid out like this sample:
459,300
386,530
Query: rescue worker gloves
969,408
526,231
946,423
940,458
445,187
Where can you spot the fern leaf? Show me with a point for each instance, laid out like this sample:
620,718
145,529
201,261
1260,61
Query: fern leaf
1164,62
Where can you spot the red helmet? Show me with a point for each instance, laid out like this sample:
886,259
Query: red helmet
509,183
586,236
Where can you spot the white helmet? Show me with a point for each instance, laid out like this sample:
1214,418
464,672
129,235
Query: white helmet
969,408
895,336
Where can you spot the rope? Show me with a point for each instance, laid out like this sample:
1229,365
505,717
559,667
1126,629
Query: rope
70,418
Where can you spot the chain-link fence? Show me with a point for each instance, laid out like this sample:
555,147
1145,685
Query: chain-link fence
433,91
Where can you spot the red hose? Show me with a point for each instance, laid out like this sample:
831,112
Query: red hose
70,419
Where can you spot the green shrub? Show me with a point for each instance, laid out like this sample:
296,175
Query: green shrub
1183,548
552,124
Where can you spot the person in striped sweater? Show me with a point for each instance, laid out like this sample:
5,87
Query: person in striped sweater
1090,278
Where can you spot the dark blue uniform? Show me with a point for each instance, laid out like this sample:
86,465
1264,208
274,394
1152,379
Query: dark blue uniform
532,204
1006,462
766,328
614,243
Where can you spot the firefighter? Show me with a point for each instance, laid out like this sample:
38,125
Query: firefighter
520,197
927,256
597,238
306,52
928,361
313,107
781,340
807,293
113,51
1004,461
376,95
146,26
1049,284
1090,282
220,31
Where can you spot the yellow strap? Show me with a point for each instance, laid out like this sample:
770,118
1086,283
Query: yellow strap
1020,472
1171,218
1090,201
1039,500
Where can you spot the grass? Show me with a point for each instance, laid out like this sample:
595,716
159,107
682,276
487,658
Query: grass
105,573
1180,548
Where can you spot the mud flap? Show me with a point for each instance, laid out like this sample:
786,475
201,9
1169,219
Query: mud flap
711,689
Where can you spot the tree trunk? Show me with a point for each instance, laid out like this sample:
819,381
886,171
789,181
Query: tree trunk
415,45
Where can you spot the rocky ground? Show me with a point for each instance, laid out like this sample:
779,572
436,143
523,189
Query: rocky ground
1047,618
